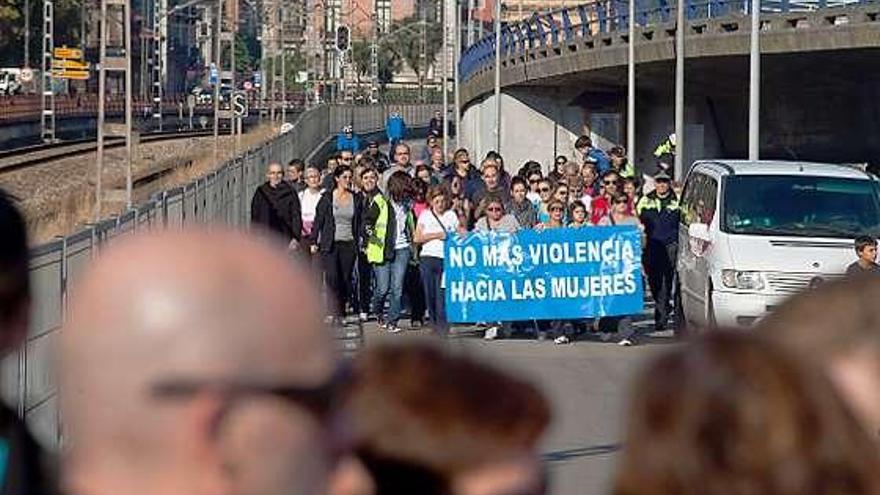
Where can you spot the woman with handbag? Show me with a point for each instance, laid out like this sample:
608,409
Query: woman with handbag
434,225
337,223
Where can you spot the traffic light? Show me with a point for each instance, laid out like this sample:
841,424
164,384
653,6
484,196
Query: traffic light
343,38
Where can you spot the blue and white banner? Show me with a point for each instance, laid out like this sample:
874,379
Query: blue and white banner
561,273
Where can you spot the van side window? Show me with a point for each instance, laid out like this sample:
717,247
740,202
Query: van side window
707,200
690,198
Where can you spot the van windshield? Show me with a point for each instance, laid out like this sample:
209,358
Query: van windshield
801,206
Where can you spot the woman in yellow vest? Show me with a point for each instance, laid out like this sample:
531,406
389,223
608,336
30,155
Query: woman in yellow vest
389,226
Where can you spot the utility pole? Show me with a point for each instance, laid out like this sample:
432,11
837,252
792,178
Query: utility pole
283,46
374,54
121,16
444,17
498,75
631,86
456,56
218,27
468,21
159,15
424,55
755,83
27,34
47,91
680,28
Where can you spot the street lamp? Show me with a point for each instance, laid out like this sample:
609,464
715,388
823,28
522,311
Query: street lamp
678,169
631,85
498,76
755,83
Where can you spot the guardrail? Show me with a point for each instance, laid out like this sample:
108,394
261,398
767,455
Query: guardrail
593,19
220,197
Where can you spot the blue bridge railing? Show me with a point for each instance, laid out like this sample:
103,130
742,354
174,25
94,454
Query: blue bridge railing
611,16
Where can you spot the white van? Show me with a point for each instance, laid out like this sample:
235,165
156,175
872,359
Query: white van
755,232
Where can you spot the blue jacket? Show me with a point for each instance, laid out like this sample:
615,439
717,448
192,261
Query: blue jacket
597,156
395,128
344,143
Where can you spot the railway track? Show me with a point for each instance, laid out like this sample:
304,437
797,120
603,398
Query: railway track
20,158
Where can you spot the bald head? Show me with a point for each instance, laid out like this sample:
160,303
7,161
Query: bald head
189,307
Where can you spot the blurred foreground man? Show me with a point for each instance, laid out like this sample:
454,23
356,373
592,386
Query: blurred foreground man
185,371
431,423
21,462
837,327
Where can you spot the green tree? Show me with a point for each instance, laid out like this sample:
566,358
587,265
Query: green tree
388,60
416,42
12,28
244,56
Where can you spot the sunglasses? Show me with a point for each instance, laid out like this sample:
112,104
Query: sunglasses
534,181
544,189
620,202
318,399
555,208
493,208
609,182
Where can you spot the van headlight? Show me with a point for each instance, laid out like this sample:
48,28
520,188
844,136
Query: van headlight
735,279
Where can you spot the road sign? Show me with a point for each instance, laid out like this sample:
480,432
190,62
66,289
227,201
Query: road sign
79,75
72,53
69,64
258,79
239,104
27,75
212,76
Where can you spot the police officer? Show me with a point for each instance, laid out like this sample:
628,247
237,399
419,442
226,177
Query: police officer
665,154
660,214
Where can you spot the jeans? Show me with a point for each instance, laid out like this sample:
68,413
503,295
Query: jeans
389,285
432,273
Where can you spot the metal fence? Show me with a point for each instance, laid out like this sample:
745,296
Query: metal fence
220,197
600,17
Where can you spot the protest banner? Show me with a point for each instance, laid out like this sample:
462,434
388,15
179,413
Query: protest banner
554,274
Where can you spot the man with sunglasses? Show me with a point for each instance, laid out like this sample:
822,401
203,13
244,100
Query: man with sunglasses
467,174
197,363
600,206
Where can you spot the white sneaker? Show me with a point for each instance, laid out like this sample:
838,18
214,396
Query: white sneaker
363,317
562,339
625,343
491,333
394,329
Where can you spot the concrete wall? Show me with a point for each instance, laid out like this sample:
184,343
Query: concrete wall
539,123
535,125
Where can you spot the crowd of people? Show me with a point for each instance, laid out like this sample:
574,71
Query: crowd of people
196,362
376,224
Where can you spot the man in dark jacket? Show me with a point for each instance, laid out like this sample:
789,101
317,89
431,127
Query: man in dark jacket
276,206
21,463
660,214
